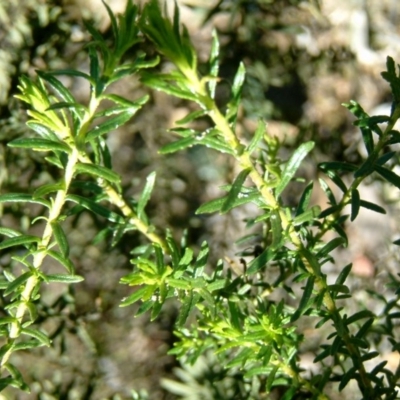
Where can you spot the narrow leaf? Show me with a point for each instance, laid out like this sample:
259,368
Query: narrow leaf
16,283
40,145
214,64
146,193
22,198
260,262
111,124
178,145
355,204
372,207
133,298
65,262
359,315
63,278
276,227
38,335
188,304
96,208
307,216
389,175
305,199
305,299
61,238
234,191
46,189
23,240
98,171
293,165
344,273
258,135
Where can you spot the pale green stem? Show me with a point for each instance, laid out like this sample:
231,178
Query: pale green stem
116,199
54,213
245,161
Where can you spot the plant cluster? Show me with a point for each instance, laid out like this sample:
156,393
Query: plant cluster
229,311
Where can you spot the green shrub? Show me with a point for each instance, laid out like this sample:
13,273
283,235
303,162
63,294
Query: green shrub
246,317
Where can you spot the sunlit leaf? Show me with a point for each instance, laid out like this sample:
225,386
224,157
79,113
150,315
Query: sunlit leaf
62,278
98,171
146,193
234,191
40,145
292,166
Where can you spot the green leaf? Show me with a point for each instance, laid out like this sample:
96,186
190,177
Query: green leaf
276,227
72,72
61,238
189,303
40,145
328,193
233,194
307,216
337,166
293,165
233,104
65,262
58,86
213,64
111,124
217,285
98,171
133,298
38,335
305,199
178,145
260,262
258,135
345,378
372,207
48,188
366,168
96,208
179,283
344,273
17,380
63,278
22,198
7,320
146,193
9,232
355,204
385,157
336,288
216,143
333,244
16,283
359,315
305,299
389,175
271,378
191,117
161,82
216,204
23,240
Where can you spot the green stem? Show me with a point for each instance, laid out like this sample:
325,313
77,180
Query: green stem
245,162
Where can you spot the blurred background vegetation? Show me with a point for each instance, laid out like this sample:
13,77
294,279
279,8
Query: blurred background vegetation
303,58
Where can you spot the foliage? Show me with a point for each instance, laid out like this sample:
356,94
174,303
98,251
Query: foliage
227,312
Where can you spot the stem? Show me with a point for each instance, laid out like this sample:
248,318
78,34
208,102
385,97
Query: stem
117,199
245,162
39,256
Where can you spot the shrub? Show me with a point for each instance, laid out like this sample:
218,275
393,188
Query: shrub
248,316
